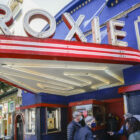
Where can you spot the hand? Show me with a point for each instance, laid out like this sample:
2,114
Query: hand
111,133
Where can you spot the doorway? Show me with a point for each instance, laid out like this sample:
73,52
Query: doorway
19,128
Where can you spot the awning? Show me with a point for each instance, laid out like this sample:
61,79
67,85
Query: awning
62,67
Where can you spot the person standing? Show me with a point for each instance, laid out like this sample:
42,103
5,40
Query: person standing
85,133
123,130
74,125
133,128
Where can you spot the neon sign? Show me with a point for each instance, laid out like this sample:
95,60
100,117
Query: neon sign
115,35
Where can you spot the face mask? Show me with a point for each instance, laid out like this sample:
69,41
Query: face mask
93,125
126,127
81,118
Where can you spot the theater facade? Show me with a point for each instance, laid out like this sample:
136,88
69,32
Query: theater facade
87,58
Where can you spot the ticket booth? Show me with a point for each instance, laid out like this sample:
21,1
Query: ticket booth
43,117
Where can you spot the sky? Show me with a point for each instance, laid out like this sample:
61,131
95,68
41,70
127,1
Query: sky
52,6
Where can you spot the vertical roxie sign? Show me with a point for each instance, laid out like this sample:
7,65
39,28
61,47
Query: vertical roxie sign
115,35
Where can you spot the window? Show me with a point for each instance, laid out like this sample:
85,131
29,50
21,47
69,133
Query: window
30,120
87,110
98,111
53,118
11,106
133,103
99,114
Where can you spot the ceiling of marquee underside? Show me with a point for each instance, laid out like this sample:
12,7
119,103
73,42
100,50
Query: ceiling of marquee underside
61,77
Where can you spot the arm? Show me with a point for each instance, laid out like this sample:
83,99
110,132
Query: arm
120,132
89,136
70,132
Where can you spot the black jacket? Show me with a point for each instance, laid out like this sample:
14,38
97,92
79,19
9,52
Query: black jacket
82,122
84,133
72,128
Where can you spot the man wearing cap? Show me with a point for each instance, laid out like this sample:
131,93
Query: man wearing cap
123,130
85,133
74,125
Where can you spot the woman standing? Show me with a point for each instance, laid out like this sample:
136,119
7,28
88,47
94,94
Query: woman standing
133,128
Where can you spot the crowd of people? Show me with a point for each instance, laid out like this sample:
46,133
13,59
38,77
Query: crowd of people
75,131
130,129
80,128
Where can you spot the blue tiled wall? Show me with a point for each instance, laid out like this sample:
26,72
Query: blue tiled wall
95,7
108,93
29,99
132,75
53,99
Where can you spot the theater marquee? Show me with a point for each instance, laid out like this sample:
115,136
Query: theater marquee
40,64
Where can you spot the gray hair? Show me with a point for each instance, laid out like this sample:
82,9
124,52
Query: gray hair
128,115
89,119
75,114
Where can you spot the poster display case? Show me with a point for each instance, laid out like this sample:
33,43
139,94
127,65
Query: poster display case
53,118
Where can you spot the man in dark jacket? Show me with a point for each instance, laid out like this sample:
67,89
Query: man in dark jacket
85,133
74,126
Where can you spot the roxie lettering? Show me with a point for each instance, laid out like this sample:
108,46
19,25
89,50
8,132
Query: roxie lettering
115,35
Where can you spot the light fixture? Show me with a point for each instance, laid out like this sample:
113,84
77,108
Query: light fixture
50,82
47,76
49,86
21,84
114,75
56,66
66,93
97,86
83,81
110,85
92,75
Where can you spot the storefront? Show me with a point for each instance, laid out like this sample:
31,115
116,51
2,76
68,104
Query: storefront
8,103
61,75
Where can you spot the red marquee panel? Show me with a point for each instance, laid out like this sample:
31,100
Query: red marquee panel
52,49
129,88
